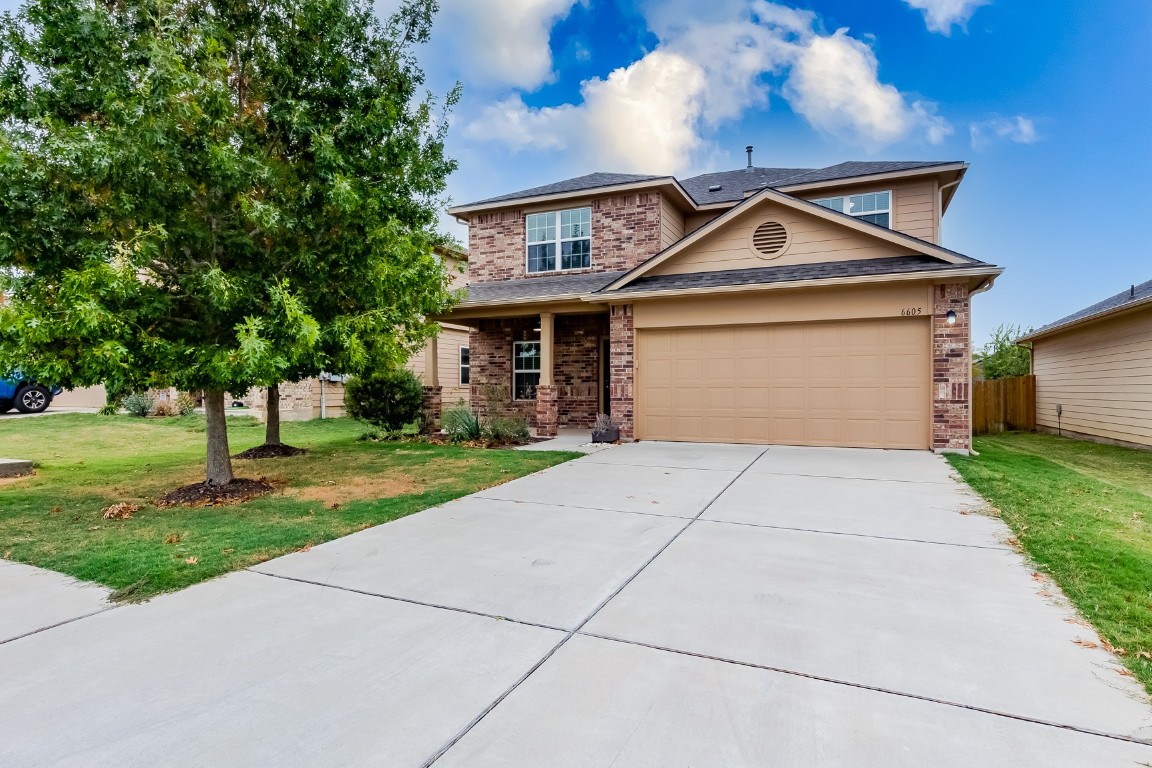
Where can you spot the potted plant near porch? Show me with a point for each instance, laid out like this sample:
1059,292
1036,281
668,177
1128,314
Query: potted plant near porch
605,430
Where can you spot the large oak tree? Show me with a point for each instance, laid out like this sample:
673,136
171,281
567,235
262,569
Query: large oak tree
216,194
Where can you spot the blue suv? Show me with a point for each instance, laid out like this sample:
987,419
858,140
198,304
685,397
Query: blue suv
25,395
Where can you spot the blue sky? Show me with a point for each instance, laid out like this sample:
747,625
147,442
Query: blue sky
1050,102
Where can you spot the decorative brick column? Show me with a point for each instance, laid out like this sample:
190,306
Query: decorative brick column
547,411
433,402
951,370
622,353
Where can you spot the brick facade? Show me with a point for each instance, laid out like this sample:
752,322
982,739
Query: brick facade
433,408
625,231
623,367
951,369
490,354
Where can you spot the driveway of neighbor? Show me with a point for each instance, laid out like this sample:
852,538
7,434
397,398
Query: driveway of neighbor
655,604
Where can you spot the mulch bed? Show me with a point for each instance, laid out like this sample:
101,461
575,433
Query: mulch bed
270,452
205,495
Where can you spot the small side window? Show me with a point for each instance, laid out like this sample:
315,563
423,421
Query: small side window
465,366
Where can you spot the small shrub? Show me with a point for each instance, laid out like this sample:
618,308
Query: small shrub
389,400
185,404
507,429
165,406
461,423
604,422
109,409
139,403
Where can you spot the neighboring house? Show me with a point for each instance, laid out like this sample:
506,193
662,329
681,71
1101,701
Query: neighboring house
1094,370
762,305
316,398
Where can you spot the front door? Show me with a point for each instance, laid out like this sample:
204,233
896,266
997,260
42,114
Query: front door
605,377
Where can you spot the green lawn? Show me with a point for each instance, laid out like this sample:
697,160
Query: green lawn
1083,513
86,463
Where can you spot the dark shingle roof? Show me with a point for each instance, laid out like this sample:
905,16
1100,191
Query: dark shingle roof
761,275
539,287
589,181
733,184
1133,295
855,168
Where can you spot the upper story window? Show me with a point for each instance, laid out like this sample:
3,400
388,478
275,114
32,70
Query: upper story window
875,207
567,233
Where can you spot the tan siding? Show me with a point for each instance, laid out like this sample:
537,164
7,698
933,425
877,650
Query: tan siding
1102,376
813,240
671,223
448,358
697,220
84,397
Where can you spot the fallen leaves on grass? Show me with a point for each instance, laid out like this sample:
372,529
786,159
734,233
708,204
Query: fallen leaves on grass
192,560
173,538
121,511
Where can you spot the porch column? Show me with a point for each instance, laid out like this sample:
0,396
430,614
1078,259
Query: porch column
547,405
433,399
622,363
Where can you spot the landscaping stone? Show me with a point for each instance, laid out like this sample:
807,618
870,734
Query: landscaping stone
15,467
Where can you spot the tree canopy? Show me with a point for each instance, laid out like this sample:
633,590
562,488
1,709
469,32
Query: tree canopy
216,194
1001,357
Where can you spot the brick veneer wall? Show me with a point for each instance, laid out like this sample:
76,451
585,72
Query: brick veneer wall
490,356
625,231
951,369
576,373
623,367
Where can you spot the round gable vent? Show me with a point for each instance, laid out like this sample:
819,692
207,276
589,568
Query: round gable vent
770,239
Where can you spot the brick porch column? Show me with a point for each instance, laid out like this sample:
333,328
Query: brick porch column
622,367
433,404
951,370
547,401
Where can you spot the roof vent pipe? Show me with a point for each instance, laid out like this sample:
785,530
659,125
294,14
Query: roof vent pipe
748,149
1132,293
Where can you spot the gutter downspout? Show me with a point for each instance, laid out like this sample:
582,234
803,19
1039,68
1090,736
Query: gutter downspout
940,208
987,284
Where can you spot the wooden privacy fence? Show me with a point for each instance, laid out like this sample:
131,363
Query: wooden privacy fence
1001,405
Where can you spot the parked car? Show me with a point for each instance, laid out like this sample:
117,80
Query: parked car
25,395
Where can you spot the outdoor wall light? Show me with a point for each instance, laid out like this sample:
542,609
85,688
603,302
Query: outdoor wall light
951,316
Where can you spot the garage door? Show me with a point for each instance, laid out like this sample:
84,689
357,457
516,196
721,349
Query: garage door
862,383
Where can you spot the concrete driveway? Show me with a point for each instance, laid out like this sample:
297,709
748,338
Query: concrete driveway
652,605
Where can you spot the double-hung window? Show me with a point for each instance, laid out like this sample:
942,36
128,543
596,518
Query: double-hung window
525,369
465,366
559,240
875,207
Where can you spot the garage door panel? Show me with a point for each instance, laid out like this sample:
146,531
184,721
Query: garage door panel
857,383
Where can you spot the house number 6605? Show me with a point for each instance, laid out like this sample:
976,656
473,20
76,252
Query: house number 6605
912,311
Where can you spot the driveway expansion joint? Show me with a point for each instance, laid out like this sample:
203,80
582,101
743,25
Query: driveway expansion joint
578,506
875,689
58,624
999,548
410,601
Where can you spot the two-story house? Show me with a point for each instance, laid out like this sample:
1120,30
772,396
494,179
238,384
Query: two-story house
763,305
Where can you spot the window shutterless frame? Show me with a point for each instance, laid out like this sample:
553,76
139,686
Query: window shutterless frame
465,366
875,207
558,240
525,369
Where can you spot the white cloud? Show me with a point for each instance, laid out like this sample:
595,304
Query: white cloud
941,15
713,63
1019,129
502,43
641,117
835,85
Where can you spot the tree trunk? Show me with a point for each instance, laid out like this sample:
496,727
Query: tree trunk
219,467
272,416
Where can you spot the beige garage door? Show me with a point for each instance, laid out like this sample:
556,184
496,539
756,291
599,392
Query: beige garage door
862,383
